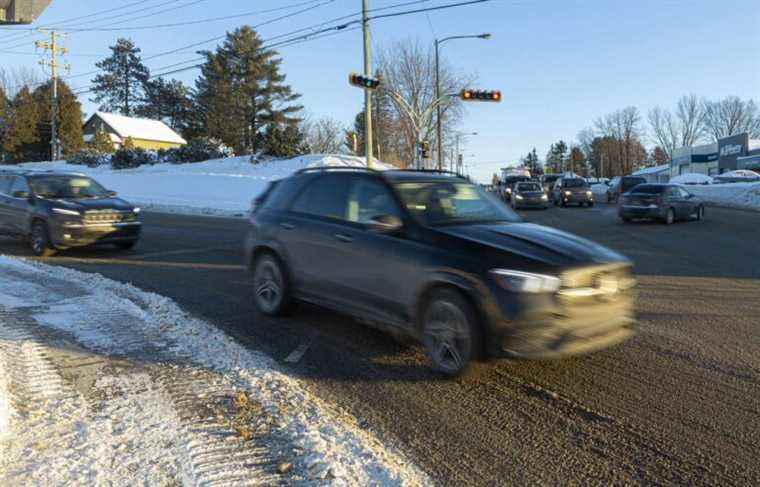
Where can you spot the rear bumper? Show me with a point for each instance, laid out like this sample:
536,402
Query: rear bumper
67,236
633,211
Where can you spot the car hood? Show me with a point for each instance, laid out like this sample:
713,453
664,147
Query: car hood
537,242
95,204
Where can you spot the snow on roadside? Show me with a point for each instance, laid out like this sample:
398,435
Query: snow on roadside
220,187
732,195
114,319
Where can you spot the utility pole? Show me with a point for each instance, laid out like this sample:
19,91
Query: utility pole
367,93
55,50
438,124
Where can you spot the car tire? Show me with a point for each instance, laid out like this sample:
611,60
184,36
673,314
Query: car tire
450,332
270,284
39,240
670,217
126,245
590,205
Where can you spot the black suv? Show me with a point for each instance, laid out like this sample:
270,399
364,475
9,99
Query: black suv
56,211
435,256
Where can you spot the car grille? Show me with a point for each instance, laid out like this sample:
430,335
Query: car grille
605,277
108,216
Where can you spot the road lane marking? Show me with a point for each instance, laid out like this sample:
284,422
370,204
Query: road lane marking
139,263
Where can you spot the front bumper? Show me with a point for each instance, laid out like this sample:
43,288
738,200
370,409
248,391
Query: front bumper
531,203
67,235
559,325
577,198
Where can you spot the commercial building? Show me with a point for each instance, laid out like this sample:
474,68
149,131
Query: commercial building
727,154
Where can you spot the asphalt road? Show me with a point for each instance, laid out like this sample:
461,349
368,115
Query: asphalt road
678,404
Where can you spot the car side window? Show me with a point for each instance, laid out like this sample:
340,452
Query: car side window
325,196
684,193
18,184
5,184
370,198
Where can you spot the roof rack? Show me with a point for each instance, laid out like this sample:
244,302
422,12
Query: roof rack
335,169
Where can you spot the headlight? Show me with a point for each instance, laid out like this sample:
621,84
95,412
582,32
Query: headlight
518,197
589,194
136,210
568,193
63,211
509,190
544,197
525,282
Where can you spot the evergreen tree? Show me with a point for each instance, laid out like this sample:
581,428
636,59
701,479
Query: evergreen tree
69,119
128,144
21,137
102,143
285,141
555,158
4,120
241,92
168,101
121,86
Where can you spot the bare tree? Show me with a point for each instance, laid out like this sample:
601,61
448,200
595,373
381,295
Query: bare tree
13,79
731,116
324,135
664,129
690,113
623,126
408,69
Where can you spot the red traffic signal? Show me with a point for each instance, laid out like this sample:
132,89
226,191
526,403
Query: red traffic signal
479,95
361,81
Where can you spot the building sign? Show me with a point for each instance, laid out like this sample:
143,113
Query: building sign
730,149
704,157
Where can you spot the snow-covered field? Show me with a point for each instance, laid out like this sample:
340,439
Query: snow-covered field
104,384
222,187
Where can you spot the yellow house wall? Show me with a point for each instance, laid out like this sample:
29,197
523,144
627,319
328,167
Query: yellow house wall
153,144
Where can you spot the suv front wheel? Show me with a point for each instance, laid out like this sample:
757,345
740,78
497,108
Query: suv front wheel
39,240
450,332
271,293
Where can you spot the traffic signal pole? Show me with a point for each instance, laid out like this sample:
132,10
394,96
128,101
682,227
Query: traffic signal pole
367,93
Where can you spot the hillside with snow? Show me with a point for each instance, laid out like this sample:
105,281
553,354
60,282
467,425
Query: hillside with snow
223,187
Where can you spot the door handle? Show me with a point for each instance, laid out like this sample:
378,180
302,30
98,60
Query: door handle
287,226
344,238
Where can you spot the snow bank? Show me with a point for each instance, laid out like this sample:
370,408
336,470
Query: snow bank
222,187
732,195
110,319
692,178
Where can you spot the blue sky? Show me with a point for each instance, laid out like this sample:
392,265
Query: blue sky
559,64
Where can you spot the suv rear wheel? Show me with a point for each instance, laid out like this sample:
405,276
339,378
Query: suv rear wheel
39,240
450,332
271,293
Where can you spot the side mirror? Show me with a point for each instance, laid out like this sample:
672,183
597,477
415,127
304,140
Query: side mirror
386,224
112,194
22,195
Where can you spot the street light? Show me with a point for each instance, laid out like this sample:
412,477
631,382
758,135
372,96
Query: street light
439,129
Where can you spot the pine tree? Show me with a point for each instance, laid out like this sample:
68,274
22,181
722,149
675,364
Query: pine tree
21,136
102,143
287,141
241,92
69,119
169,101
121,86
128,144
4,120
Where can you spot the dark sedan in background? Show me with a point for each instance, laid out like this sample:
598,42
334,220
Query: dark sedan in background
529,195
664,202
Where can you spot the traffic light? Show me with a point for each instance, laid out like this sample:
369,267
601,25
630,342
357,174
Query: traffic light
479,95
362,81
425,149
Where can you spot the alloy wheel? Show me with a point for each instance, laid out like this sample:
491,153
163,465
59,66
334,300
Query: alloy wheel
447,336
268,285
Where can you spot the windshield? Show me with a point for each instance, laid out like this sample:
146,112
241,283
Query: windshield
574,183
551,179
67,187
529,187
451,203
648,189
